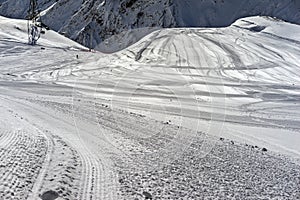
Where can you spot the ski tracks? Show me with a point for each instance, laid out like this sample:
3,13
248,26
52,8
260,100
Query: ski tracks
97,176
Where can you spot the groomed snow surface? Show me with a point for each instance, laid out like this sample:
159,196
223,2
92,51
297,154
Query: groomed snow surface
182,114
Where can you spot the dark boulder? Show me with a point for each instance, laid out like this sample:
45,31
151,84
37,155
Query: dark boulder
49,195
147,195
264,149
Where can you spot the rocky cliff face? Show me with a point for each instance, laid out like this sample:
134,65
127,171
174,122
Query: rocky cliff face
90,22
18,9
103,20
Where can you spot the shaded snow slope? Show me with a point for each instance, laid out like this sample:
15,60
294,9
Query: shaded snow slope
93,21
185,108
224,12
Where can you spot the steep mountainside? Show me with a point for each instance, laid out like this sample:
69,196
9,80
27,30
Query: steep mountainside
18,9
90,22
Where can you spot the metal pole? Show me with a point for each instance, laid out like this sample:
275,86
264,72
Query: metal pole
33,31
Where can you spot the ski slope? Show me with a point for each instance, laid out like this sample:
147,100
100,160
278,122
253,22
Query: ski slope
183,114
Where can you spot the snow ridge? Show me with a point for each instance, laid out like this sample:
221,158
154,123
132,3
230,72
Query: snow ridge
91,22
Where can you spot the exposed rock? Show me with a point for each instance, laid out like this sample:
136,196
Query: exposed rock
147,195
91,22
49,195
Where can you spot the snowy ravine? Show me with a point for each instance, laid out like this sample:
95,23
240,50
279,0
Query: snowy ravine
186,113
90,22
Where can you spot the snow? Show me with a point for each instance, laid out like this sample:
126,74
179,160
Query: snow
182,113
44,12
272,26
80,20
18,32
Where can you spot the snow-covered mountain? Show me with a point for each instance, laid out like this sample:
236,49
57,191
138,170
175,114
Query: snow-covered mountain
90,22
184,113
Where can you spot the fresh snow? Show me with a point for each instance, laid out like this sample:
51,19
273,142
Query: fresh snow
182,114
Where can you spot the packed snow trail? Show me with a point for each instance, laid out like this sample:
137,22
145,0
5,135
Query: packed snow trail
183,113
112,154
94,178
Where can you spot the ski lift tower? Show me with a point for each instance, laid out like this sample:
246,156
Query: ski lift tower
34,28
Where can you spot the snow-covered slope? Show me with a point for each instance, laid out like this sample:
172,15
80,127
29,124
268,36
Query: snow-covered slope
224,12
90,22
212,112
246,73
17,29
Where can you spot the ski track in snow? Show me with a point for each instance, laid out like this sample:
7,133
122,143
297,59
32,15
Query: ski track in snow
181,114
96,184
